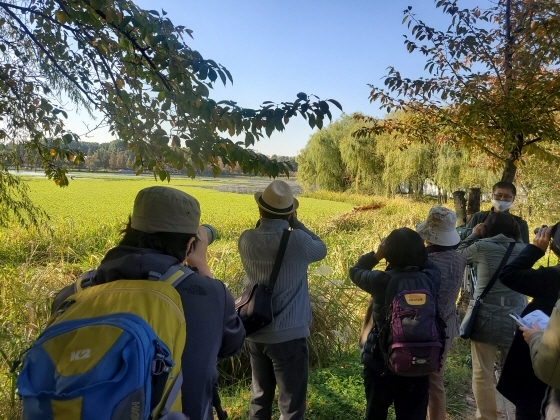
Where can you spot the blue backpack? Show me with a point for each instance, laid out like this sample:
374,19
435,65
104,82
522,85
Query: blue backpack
112,351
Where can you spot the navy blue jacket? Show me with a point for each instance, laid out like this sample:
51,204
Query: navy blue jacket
213,327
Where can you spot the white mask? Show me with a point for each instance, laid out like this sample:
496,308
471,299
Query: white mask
501,205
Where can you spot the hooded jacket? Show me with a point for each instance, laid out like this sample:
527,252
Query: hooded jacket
493,324
213,327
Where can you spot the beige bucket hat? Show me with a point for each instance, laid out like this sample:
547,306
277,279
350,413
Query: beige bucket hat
277,198
439,227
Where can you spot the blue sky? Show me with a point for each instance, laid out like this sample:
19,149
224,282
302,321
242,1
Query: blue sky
275,49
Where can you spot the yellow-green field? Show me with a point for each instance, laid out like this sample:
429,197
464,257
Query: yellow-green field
85,219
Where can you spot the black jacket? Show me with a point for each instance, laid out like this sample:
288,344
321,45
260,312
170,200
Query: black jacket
518,382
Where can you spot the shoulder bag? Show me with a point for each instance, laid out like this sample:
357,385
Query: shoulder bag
467,326
254,306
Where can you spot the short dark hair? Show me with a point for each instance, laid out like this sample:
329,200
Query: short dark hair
500,222
168,243
404,248
505,185
267,215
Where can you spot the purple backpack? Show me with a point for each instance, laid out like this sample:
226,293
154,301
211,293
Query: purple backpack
412,338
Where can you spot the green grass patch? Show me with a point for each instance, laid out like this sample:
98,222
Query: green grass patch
85,219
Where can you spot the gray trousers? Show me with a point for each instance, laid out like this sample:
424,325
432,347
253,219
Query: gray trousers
283,364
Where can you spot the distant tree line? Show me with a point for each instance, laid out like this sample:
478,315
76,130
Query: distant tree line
115,156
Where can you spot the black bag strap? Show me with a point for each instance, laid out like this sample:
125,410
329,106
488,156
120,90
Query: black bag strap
496,273
278,261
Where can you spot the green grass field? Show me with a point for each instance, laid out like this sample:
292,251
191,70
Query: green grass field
85,220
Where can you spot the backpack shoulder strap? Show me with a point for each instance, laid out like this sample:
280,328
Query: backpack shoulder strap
87,280
396,276
174,275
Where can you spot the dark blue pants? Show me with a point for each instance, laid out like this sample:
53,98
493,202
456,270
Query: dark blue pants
283,364
409,395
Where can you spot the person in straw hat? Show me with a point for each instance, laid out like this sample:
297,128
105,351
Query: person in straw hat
279,354
442,239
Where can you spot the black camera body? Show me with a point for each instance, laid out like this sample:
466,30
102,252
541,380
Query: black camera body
554,229
554,236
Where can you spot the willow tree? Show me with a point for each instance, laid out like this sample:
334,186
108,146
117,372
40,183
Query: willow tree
133,69
361,159
335,160
320,164
493,84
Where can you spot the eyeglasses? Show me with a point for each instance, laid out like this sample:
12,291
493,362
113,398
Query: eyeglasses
503,197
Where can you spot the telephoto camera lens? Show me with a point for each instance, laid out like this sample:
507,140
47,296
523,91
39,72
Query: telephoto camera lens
211,232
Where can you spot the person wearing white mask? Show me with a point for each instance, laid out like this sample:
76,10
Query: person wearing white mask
503,195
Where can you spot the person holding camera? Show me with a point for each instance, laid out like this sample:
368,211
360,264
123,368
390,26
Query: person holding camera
518,382
503,196
164,230
278,352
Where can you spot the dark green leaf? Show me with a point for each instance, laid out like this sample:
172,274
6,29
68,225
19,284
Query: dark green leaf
312,120
249,140
335,103
222,76
212,75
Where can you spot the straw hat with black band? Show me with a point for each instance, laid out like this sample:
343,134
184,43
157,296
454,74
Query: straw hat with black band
277,198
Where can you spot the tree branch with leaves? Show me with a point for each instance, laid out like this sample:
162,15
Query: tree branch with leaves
131,68
493,81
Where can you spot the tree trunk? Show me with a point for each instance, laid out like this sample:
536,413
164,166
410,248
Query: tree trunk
460,207
510,170
512,161
473,205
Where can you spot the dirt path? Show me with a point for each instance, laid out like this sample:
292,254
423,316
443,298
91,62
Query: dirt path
506,410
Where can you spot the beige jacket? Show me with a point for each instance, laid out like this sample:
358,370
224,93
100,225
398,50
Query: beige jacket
545,350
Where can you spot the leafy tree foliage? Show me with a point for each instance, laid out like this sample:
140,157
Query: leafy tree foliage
132,67
321,164
334,159
494,83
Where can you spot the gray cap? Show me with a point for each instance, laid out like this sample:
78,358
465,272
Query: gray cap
165,209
